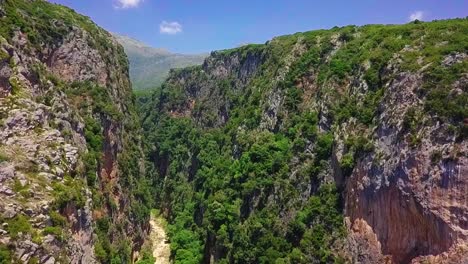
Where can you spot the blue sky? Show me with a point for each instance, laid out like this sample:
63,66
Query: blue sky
194,26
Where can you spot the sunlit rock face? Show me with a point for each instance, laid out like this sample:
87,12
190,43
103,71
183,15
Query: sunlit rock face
60,141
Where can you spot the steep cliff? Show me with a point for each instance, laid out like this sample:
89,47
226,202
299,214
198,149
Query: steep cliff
341,145
71,184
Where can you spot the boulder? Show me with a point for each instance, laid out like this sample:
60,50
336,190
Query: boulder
7,171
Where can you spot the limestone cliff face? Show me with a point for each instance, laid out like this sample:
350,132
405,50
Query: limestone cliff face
232,72
65,117
394,99
413,197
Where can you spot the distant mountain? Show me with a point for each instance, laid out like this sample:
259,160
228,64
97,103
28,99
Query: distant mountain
150,66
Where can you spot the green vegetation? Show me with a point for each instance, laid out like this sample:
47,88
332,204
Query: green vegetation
225,187
36,20
71,191
102,247
19,224
5,255
88,94
147,258
237,174
94,139
15,86
23,190
3,55
252,195
96,108
59,222
110,121
441,100
243,51
149,66
57,219
33,260
55,231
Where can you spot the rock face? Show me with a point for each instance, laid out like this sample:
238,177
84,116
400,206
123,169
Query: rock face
218,70
60,142
423,196
395,112
87,64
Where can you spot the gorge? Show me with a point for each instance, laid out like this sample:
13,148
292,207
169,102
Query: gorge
345,145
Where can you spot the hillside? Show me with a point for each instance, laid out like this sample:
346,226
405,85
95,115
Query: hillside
150,66
72,181
345,145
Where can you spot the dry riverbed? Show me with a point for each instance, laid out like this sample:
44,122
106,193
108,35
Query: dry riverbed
161,249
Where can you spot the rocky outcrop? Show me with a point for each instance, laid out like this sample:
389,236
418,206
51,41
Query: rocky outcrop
35,154
227,72
414,201
60,143
87,64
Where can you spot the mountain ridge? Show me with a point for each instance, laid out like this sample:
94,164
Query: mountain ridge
150,66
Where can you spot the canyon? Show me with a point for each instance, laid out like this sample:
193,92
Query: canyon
345,145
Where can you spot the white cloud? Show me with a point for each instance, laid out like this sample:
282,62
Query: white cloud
170,28
128,3
419,15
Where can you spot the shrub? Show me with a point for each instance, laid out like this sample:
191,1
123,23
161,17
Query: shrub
411,120
440,101
19,224
3,157
3,55
5,255
339,68
100,252
91,166
55,231
57,219
93,134
324,146
147,257
71,191
33,260
347,163
359,144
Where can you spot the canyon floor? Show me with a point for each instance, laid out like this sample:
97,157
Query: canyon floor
161,248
